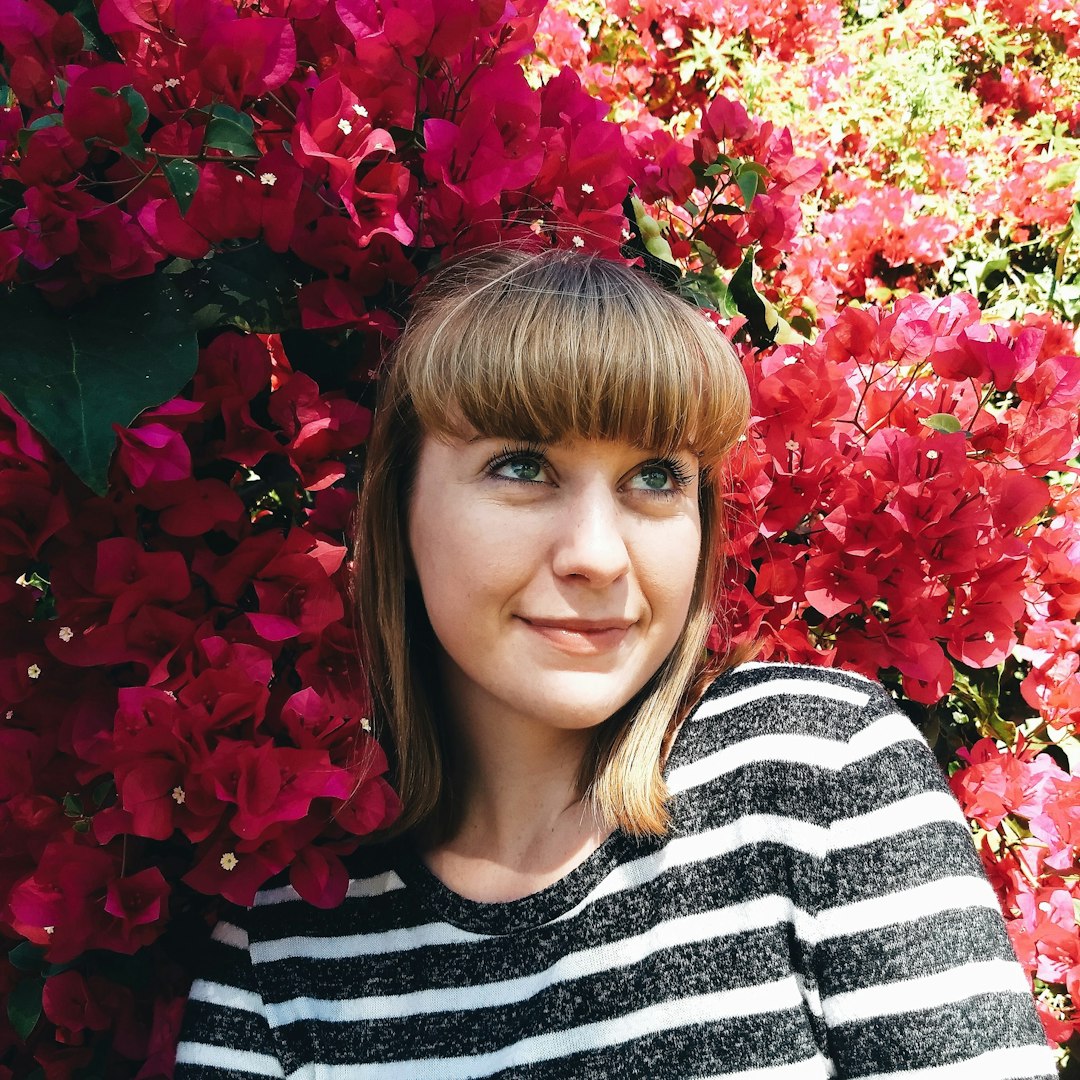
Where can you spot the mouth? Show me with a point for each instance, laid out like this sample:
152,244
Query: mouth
581,637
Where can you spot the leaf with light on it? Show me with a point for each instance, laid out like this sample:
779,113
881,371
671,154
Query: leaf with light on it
231,131
750,303
751,180
183,178
73,374
942,421
140,114
140,111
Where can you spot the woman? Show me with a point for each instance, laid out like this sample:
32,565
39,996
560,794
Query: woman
616,857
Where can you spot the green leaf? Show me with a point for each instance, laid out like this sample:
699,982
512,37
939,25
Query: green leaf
748,182
250,287
27,956
231,131
750,304
102,790
140,111
47,121
183,177
234,116
24,1005
73,374
942,421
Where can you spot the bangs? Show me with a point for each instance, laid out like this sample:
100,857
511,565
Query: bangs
556,347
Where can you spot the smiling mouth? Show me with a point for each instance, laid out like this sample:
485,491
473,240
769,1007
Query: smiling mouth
581,637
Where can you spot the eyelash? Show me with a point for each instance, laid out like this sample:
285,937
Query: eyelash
531,452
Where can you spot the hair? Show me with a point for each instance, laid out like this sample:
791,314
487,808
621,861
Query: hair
540,347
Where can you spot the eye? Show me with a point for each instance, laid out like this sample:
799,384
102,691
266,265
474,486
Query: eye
655,478
664,477
521,466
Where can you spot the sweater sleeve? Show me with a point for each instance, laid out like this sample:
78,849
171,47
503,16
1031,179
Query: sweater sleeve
224,1034
913,964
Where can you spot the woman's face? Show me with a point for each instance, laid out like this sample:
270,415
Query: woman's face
556,578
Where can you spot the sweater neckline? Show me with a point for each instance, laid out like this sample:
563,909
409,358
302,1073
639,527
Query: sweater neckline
513,916
546,905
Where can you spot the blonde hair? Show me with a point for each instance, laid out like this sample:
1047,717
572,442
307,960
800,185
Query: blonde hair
541,348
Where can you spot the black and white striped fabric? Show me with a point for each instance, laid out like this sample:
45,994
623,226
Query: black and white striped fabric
817,910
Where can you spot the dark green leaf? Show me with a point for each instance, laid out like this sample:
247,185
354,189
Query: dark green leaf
230,137
73,805
27,956
715,170
231,131
943,421
104,789
135,147
750,304
249,287
234,116
74,374
24,1005
140,112
183,177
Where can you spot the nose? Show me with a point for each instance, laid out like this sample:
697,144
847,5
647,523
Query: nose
589,543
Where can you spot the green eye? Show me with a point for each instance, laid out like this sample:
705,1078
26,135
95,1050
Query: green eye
524,469
655,478
518,467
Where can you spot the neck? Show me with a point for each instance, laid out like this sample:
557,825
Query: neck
520,822
517,789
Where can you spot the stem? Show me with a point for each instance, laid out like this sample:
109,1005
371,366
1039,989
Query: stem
138,184
280,104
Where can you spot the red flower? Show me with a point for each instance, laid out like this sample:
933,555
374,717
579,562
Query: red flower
129,576
152,452
138,900
333,134
52,157
94,109
295,591
245,58
72,1005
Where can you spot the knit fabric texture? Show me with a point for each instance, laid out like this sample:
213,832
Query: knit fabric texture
816,910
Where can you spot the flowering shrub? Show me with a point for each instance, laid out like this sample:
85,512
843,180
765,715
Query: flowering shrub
211,219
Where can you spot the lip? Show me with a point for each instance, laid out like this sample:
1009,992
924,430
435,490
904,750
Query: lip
581,637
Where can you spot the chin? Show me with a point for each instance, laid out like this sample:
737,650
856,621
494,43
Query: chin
581,700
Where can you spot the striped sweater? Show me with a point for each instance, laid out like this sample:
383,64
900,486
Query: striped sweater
816,910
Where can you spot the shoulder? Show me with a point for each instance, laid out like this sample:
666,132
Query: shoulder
790,699
764,731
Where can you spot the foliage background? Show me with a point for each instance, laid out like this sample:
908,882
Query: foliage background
211,219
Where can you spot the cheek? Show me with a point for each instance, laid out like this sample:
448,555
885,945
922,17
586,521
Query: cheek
460,564
672,573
